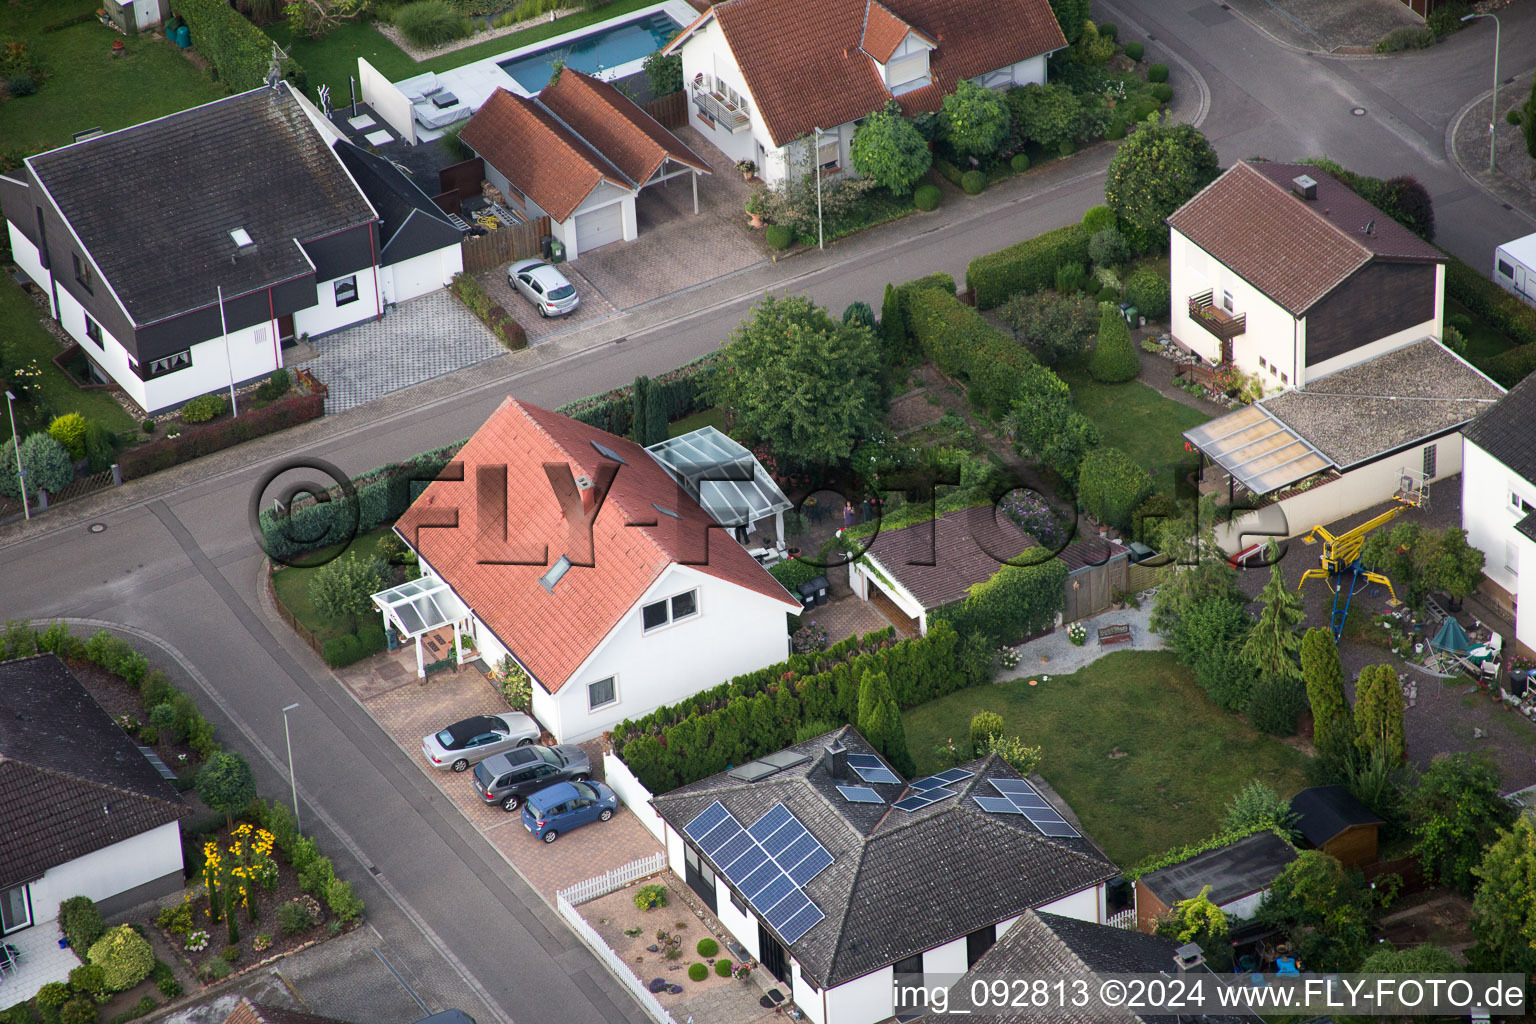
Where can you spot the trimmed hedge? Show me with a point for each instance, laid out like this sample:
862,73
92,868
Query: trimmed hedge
1487,301
682,393
974,183
927,198
1019,601
793,572
1112,487
1026,267
195,442
954,336
352,647
239,51
779,237
1157,73
895,322
490,312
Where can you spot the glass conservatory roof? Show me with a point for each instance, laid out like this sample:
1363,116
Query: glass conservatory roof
721,475
419,606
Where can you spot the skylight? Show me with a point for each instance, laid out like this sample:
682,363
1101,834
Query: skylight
555,573
242,237
608,453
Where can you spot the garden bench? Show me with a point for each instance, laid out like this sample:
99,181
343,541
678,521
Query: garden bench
1118,634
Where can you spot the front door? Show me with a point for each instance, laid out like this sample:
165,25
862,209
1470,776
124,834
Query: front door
15,909
1226,350
771,954
285,329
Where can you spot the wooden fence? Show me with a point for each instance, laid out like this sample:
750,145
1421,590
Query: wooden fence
492,249
294,624
671,110
1090,590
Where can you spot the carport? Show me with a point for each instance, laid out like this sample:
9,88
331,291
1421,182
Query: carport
419,608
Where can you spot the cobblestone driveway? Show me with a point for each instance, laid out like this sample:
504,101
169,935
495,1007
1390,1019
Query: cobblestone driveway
416,341
594,306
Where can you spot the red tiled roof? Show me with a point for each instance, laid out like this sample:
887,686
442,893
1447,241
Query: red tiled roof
804,68
538,155
1294,250
632,140
553,632
966,547
883,31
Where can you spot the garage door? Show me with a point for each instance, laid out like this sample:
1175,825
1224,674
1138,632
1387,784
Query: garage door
599,227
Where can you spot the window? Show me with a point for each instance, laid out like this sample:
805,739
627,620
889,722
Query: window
827,150
1272,370
92,329
15,909
82,271
1512,558
1519,504
739,903
1430,452
699,877
167,364
1262,363
1284,379
1507,270
601,693
978,942
674,609
1226,301
346,290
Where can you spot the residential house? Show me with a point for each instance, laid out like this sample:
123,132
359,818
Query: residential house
1330,819
86,811
912,571
1282,271
837,875
1238,875
1498,506
579,153
227,230
766,77
573,552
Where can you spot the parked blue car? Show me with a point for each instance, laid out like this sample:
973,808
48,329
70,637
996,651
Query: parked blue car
557,809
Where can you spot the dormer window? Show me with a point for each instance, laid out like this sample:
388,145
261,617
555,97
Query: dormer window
907,68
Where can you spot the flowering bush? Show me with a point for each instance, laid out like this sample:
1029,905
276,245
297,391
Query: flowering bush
262,943
514,684
809,637
1078,634
178,919
1009,657
197,941
1036,518
741,972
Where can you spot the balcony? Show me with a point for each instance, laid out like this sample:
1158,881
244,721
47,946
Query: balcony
1223,325
732,116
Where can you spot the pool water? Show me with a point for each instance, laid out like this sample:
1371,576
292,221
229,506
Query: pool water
602,50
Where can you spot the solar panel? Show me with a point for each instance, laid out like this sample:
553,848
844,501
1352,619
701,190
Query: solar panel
159,765
770,823
780,887
1034,807
797,851
954,775
759,880
734,847
1060,829
711,816
786,758
719,836
922,799
814,864
860,795
997,805
931,782
801,923
870,769
768,862
747,863
752,771
780,913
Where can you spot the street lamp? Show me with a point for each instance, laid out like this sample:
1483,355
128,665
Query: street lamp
21,471
292,785
816,170
1493,113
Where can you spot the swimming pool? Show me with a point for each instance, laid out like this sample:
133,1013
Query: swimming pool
603,50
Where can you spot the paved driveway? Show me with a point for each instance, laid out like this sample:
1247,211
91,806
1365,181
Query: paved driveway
416,341
594,306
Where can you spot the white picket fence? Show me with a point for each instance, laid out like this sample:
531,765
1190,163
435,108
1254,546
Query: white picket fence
1123,919
613,880
617,967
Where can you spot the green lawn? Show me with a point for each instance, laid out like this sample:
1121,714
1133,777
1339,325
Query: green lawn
292,587
1483,342
1183,757
331,60
1140,422
24,337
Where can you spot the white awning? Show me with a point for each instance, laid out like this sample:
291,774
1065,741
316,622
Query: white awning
721,475
420,606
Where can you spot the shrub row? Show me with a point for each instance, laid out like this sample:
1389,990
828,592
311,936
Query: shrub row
761,712
1019,601
1112,487
479,302
1026,267
196,442
382,496
996,369
317,875
682,392
343,650
793,572
239,51
895,323
1493,305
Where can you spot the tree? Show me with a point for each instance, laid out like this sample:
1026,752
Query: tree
1047,115
1332,726
663,75
974,119
1157,169
314,18
1412,205
1114,358
1504,906
1194,919
799,380
1379,713
1208,639
859,313
345,585
1454,813
887,148
1055,327
880,721
226,783
1070,15
639,430
1108,247
48,467
69,430
1196,567
1420,561
1256,806
1327,910
1454,566
1272,646
656,426
1425,959
1111,485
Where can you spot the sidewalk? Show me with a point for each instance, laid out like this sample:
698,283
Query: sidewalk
1318,26
1511,181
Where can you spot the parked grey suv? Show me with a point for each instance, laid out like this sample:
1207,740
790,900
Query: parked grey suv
509,779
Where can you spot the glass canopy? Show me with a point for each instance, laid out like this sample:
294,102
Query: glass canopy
1259,451
722,476
419,606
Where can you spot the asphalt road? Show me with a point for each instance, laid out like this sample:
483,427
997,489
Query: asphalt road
176,561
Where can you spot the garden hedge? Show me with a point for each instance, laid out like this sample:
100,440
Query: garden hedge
1018,602
895,323
490,312
240,52
348,648
1027,266
962,344
1501,311
195,442
683,393
1112,487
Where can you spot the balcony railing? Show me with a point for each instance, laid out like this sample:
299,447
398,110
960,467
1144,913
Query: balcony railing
732,116
1214,319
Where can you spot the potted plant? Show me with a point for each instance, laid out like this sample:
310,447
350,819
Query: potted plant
747,168
755,209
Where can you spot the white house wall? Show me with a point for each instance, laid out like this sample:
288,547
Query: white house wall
110,355
30,260
1489,517
387,101
140,860
736,631
419,275
252,353
1085,905
325,316
1272,333
806,996
1246,906
864,1000
605,194
1025,72
949,958
706,52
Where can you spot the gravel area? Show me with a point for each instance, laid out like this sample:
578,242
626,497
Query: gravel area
1055,654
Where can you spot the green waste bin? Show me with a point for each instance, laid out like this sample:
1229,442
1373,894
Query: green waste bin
556,251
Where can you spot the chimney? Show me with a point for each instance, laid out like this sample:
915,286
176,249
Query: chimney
588,493
837,761
1189,956
1304,186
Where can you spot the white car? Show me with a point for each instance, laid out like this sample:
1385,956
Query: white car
544,286
475,739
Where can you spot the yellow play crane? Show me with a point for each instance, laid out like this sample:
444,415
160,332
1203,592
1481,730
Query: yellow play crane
1341,553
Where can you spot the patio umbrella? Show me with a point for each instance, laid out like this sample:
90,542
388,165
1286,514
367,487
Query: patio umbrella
1451,638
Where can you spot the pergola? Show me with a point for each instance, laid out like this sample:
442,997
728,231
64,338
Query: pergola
419,607
724,478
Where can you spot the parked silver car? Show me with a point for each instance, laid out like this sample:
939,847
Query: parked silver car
475,739
544,286
509,779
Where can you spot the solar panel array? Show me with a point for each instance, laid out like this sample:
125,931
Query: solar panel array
1026,800
871,769
767,863
932,789
860,795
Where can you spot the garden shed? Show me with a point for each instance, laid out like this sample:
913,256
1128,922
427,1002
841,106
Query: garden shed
1332,820
1239,875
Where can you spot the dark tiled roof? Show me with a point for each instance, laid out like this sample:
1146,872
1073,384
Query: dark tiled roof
247,1012
1527,526
154,204
396,197
71,781
1295,251
804,67
610,122
1507,431
1418,391
1091,551
965,546
1325,811
1232,871
879,896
